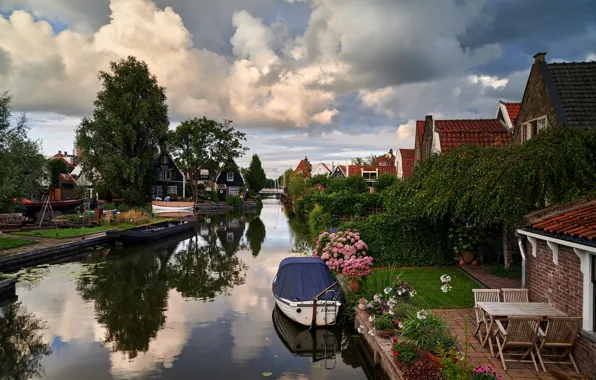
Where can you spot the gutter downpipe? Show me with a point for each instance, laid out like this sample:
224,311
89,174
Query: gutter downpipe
523,261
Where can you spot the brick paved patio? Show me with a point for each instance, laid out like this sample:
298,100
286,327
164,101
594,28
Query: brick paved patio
482,273
456,318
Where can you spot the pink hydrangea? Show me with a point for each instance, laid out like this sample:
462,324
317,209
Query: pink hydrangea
344,252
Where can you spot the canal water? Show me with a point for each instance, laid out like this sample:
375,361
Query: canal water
197,306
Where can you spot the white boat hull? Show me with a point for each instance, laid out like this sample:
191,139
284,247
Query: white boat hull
169,207
301,312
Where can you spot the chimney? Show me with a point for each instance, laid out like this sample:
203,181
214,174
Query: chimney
66,153
540,57
59,152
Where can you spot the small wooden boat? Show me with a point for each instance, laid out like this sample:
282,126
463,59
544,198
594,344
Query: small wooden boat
304,282
148,233
321,344
32,208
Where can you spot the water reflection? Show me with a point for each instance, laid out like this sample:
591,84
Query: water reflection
21,343
300,235
255,235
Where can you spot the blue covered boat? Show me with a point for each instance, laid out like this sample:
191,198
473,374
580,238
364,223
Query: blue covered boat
304,282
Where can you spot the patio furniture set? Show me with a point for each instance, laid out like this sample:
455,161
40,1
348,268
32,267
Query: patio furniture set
538,329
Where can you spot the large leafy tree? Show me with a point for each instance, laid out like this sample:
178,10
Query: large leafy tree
205,144
256,176
21,163
55,167
128,128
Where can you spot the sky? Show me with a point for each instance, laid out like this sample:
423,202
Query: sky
327,79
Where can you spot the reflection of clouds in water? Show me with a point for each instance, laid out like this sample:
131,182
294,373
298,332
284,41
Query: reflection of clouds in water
164,348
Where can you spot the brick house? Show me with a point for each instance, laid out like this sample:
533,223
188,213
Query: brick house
304,167
381,165
557,94
405,162
442,136
560,249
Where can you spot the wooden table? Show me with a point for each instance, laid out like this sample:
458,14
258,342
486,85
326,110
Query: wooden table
500,310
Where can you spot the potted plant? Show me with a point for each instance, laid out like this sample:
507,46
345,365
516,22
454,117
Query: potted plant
404,353
383,324
485,373
465,241
429,333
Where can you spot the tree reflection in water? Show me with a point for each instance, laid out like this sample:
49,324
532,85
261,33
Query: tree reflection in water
299,233
21,343
130,298
130,294
255,235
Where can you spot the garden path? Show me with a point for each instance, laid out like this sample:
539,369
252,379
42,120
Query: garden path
482,274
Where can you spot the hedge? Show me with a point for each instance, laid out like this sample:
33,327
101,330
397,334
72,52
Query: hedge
319,221
342,205
404,241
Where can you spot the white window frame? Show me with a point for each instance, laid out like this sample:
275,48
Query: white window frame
526,129
234,191
375,172
230,237
204,172
158,191
173,190
544,126
230,176
168,175
164,160
89,192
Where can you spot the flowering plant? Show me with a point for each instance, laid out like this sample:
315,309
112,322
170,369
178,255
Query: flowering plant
344,252
404,352
403,289
446,280
485,373
379,305
382,322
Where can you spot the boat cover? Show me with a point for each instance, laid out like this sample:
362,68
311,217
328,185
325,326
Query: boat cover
302,278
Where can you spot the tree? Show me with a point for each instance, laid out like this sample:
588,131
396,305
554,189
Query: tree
129,126
319,179
297,186
255,175
21,163
55,167
350,185
385,181
205,144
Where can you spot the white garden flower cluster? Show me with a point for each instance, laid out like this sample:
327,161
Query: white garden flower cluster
446,280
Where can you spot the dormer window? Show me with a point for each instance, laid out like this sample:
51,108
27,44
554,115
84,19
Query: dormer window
533,127
230,176
164,160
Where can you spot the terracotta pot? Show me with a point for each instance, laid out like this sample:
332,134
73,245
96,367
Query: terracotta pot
355,285
461,262
384,333
468,256
434,361
475,262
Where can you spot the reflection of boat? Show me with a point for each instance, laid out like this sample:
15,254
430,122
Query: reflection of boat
302,281
34,207
119,253
173,209
144,234
320,344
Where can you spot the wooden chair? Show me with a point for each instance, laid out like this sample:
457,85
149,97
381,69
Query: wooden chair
515,295
520,333
560,334
483,295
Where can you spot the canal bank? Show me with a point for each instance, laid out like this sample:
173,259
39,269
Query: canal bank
199,306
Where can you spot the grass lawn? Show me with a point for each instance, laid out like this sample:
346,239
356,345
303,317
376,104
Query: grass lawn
8,243
426,281
65,233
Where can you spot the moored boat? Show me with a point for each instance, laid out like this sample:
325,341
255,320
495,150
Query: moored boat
32,208
173,209
148,233
306,292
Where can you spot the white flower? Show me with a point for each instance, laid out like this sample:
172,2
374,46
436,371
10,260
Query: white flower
399,292
400,325
412,293
422,314
391,312
371,319
446,288
445,278
371,331
360,329
387,290
461,356
377,297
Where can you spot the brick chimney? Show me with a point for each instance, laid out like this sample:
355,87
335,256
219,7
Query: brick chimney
66,153
59,152
540,57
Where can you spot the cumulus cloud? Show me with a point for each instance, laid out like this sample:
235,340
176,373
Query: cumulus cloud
407,130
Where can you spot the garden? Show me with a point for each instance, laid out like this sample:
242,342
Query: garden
400,302
9,243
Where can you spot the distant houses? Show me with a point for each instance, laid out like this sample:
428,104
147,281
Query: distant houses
230,182
170,182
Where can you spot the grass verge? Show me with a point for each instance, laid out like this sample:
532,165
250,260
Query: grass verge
426,281
9,243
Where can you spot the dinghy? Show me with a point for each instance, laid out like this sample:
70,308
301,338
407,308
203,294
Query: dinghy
302,282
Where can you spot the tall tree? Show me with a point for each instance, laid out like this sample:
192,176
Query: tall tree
21,163
205,144
256,176
55,167
129,126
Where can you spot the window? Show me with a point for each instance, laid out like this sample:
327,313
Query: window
235,223
230,237
541,124
533,127
230,176
173,190
45,176
164,160
204,173
89,192
157,191
161,175
234,191
370,176
168,175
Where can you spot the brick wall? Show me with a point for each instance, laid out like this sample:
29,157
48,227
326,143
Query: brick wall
561,286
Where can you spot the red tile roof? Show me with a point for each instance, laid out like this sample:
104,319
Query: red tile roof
356,170
66,178
512,110
576,219
481,132
304,167
326,167
419,132
408,157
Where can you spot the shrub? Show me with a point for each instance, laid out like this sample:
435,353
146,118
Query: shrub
385,181
350,185
319,221
343,205
382,322
405,241
234,202
344,252
429,331
127,217
404,352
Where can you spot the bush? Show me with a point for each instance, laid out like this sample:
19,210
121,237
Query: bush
319,221
127,217
405,241
343,205
234,202
350,185
385,181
